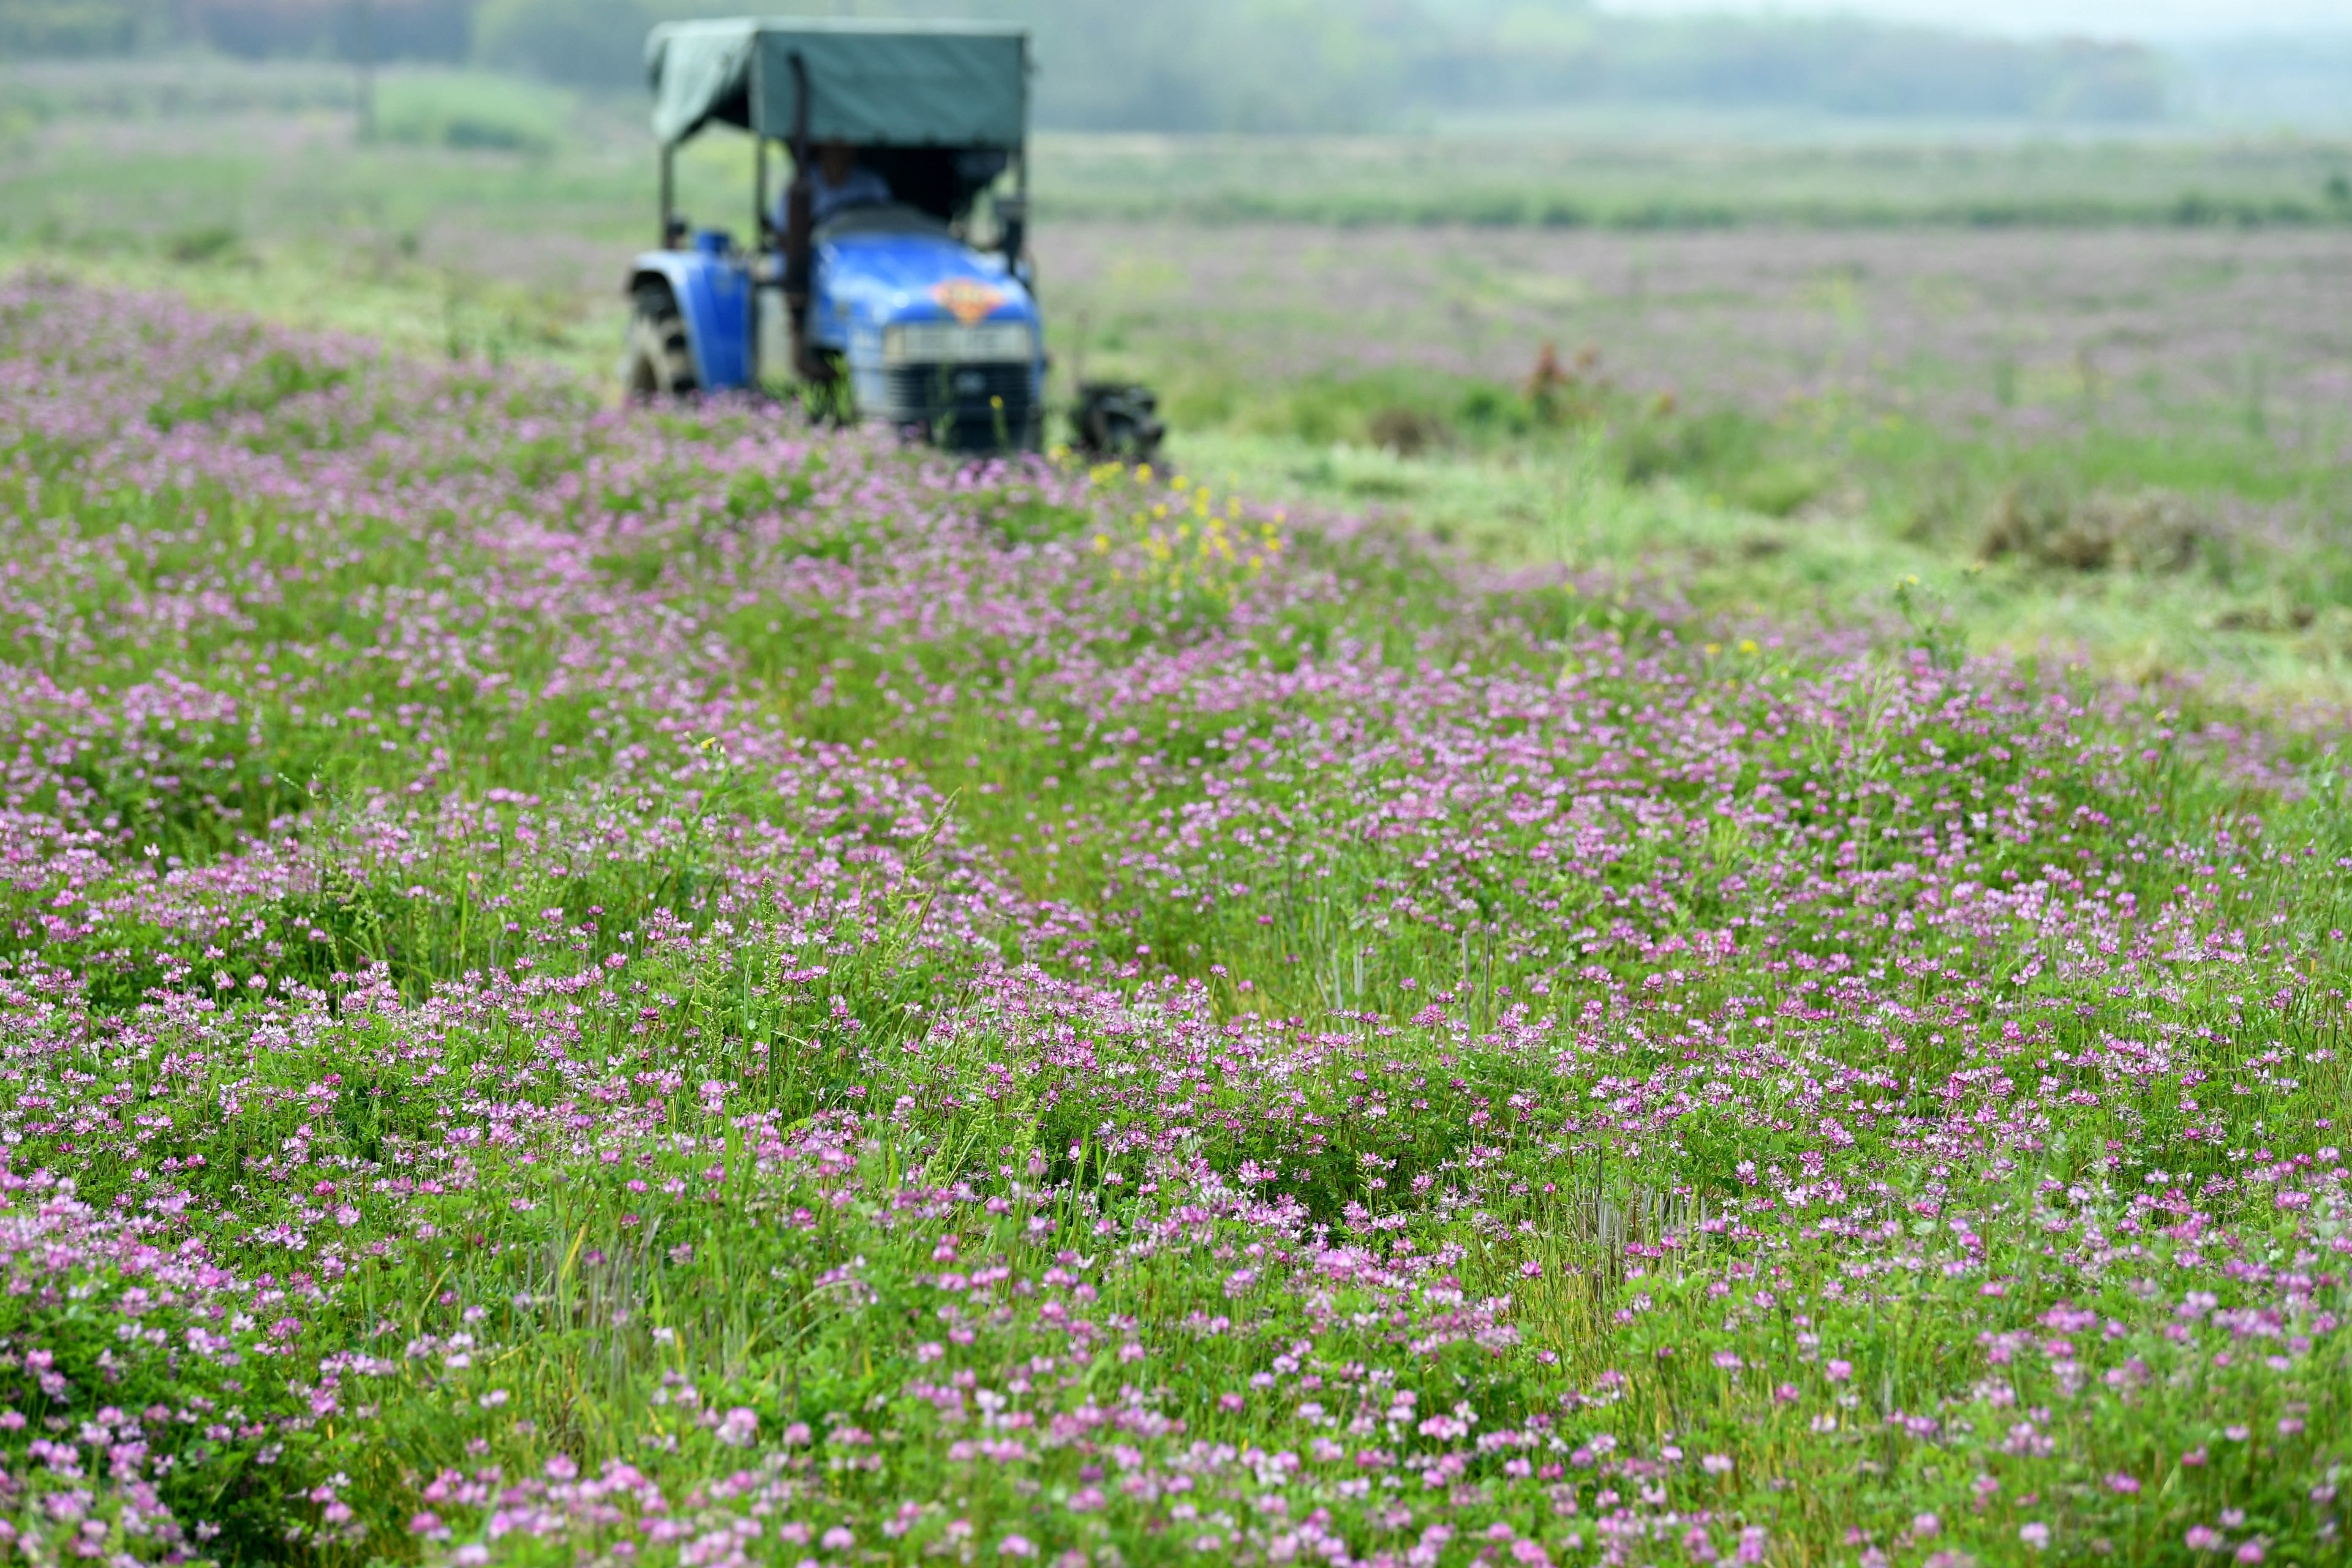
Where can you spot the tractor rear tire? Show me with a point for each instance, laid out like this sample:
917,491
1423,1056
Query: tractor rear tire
658,364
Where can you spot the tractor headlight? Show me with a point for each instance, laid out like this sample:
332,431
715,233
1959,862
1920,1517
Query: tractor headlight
953,343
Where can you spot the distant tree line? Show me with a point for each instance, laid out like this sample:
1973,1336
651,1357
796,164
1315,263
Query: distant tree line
1235,65
396,29
1833,65
75,27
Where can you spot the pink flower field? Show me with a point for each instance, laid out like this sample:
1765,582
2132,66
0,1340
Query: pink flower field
626,987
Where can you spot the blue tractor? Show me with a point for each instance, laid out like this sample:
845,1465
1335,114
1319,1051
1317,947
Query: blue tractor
870,281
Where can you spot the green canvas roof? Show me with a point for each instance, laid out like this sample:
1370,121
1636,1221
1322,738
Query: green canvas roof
891,84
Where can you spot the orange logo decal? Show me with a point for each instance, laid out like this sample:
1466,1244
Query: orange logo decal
966,300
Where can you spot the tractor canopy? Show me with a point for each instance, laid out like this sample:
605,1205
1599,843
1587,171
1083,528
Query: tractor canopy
958,85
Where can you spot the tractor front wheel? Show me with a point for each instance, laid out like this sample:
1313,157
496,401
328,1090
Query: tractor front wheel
657,363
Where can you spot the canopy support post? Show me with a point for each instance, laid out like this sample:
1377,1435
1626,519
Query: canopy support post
798,203
668,193
1012,217
1015,224
763,232
762,226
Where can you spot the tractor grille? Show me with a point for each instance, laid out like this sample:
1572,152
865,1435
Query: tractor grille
968,408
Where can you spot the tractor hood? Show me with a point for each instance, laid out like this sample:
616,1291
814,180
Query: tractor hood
869,282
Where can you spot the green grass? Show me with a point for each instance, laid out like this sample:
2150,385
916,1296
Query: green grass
474,113
1818,516
1655,174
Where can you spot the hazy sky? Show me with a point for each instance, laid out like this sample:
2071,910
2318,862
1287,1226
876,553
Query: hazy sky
2151,20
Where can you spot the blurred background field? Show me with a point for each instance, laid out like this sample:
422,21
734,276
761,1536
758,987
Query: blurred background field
2058,330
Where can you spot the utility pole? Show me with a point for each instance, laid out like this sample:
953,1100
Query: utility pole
363,59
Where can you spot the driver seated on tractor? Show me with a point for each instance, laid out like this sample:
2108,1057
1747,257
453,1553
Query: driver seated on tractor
840,183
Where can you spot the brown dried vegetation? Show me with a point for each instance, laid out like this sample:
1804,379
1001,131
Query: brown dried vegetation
2146,531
